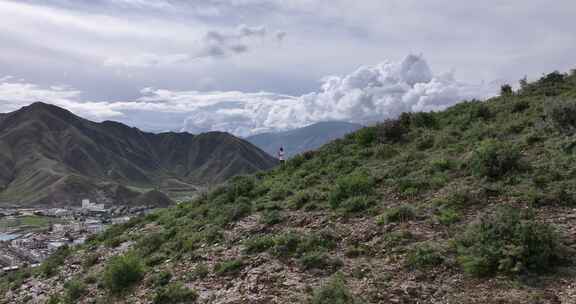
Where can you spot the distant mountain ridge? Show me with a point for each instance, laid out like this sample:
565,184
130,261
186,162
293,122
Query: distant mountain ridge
49,156
303,139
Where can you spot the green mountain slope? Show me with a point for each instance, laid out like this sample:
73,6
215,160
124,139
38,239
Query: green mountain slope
471,205
48,156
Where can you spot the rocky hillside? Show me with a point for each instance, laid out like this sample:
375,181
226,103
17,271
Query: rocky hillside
471,205
49,156
303,139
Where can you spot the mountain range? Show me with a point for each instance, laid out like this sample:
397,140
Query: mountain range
51,157
472,205
303,139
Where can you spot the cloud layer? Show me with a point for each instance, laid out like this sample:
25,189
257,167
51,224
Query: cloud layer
367,95
214,44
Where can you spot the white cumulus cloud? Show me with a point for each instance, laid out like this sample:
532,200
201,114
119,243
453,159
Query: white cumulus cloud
367,95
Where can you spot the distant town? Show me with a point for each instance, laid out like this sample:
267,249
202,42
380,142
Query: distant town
29,236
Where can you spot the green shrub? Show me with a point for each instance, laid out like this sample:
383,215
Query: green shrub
385,151
553,197
424,120
271,217
357,250
90,279
228,268
510,241
493,159
175,293
441,165
355,184
334,292
301,199
233,212
366,136
122,272
562,115
356,204
425,142
201,271
54,299
161,279
457,200
320,261
448,216
51,265
279,192
410,187
150,243
73,291
258,244
90,260
400,214
390,131
425,256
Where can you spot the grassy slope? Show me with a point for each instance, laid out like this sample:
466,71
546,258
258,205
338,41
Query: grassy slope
380,214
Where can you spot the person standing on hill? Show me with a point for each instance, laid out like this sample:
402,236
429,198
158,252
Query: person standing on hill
281,155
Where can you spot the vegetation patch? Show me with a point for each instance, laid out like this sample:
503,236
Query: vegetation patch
122,272
229,268
353,185
510,241
334,292
175,293
399,214
493,159
425,256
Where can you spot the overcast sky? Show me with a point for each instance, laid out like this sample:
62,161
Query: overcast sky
249,66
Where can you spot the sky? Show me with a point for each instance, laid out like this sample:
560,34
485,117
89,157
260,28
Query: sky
252,66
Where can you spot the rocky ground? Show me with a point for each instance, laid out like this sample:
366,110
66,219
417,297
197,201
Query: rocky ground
377,275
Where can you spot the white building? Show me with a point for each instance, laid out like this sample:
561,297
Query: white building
87,205
120,220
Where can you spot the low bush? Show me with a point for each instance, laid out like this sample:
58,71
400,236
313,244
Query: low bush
425,142
425,256
320,261
441,165
122,272
258,244
562,115
366,136
300,199
385,151
228,268
356,204
400,214
334,292
494,159
447,216
390,131
291,244
279,193
510,241
150,243
51,265
355,184
457,200
409,187
271,217
200,272
90,260
161,279
73,291
175,293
